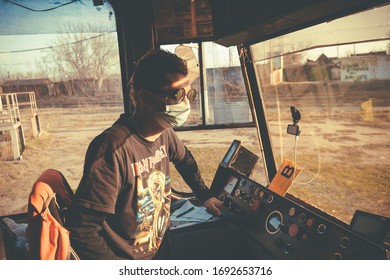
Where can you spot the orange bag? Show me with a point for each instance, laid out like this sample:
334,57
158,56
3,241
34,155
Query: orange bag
54,238
48,238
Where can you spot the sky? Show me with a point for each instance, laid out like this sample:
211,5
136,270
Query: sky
17,20
25,35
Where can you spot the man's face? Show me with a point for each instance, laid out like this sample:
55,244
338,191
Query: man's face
178,81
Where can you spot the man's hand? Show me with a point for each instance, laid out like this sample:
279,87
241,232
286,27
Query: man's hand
214,204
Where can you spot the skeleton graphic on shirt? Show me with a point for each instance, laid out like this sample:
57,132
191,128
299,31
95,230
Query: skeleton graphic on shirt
153,209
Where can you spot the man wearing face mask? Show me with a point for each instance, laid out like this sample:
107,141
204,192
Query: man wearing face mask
122,205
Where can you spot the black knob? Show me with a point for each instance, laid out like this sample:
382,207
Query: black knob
270,198
345,242
302,217
321,229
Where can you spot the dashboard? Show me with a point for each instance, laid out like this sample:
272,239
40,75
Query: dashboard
285,228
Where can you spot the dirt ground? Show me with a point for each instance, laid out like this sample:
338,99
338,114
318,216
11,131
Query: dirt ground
68,132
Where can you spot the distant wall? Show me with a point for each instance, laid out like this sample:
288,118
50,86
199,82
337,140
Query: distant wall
364,68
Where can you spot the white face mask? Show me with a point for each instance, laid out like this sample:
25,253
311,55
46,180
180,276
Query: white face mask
174,115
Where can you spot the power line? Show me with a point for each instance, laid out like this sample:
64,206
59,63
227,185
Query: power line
44,10
52,47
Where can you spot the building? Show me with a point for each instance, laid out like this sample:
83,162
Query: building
365,67
41,87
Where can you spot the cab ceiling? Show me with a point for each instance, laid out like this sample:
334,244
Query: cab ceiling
248,21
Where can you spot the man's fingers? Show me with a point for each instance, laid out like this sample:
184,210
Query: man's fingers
215,207
213,204
217,211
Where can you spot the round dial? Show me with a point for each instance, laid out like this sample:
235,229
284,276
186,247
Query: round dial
273,222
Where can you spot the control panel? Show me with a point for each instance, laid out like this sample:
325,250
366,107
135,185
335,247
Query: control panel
285,228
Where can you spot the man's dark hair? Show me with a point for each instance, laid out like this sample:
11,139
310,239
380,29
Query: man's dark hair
154,68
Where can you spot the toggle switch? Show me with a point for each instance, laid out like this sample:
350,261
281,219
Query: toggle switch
288,249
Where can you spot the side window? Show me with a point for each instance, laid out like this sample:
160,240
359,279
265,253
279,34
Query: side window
59,85
215,73
227,99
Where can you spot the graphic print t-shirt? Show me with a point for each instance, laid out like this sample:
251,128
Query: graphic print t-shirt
128,176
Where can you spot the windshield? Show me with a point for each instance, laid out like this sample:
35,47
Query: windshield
337,75
60,85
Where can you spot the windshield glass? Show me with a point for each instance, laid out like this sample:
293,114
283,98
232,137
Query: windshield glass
337,75
60,85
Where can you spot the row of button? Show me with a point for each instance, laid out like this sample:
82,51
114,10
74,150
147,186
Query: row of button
309,222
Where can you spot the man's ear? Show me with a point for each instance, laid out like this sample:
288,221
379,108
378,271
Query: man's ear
143,95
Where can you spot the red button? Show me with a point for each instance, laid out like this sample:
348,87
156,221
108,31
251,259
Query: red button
293,230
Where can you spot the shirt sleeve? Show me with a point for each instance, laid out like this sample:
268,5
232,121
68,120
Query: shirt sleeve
101,181
176,148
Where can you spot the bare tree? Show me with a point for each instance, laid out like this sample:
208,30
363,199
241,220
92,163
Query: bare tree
82,60
3,75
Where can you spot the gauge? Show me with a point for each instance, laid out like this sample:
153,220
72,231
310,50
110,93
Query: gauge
230,184
273,222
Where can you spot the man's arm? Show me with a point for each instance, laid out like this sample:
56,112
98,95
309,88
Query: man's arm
188,169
